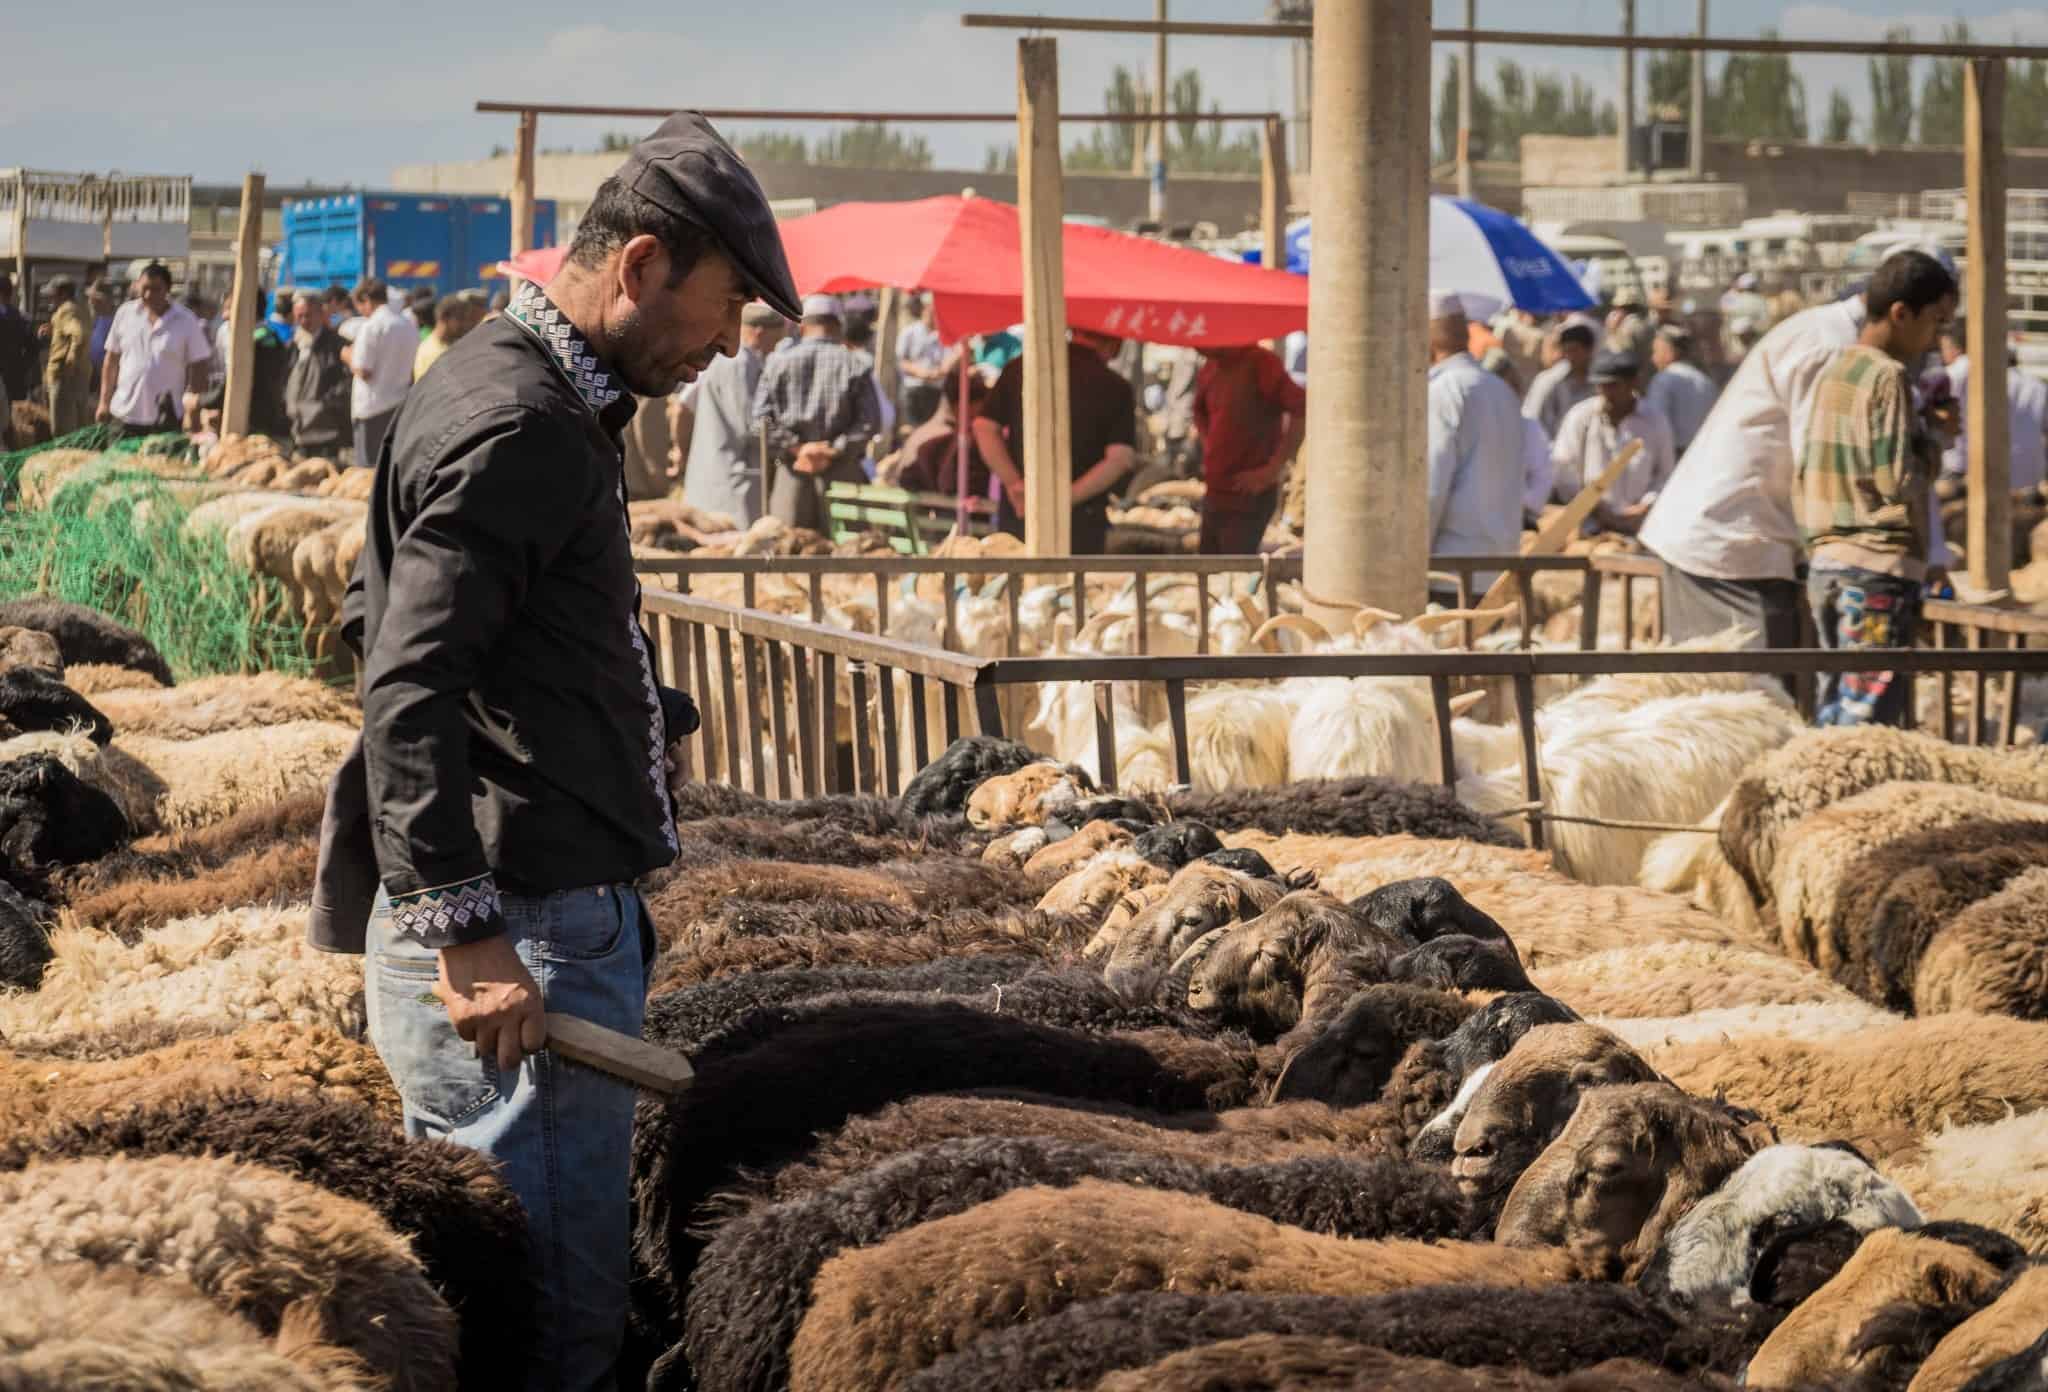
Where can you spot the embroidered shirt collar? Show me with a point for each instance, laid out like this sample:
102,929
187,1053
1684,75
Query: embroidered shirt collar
533,311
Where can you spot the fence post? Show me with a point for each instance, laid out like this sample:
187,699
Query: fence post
1446,756
1532,770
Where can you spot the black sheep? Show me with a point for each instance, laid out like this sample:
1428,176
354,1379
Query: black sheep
1460,962
1435,1070
24,941
1176,844
1346,1059
815,842
751,1288
942,787
767,1084
466,1227
49,817
1244,860
1367,806
1107,808
1551,1331
86,635
31,699
866,816
1425,908
728,951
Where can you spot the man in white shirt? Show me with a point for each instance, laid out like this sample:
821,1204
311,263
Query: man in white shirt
381,359
2026,402
1563,384
1680,390
1595,431
157,353
1723,525
1475,448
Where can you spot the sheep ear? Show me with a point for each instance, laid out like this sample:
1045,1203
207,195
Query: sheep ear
1464,705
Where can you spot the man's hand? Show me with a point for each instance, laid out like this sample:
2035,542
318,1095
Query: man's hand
675,462
492,1000
1937,580
814,458
103,414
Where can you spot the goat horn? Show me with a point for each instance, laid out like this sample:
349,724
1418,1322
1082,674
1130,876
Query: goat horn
1293,623
1368,619
1461,705
1096,623
1430,623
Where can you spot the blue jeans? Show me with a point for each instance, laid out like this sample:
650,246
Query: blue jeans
1857,608
561,1134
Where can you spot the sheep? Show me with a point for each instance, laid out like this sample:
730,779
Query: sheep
210,705
1460,962
32,699
716,953
1307,1362
684,1018
2025,1371
1200,896
1527,1099
1824,766
778,1075
466,1227
943,786
275,876
1691,865
749,1291
1679,978
1010,850
277,1057
1812,891
868,816
32,648
1713,1249
1090,892
49,817
1024,798
95,678
1349,867
1365,806
24,941
829,898
75,1325
1808,1023
294,819
880,1313
710,839
85,635
2001,1330
1348,1056
1244,738
254,1240
1916,1075
1995,1173
1269,972
1992,957
1247,861
1630,1162
101,998
1059,858
1935,1277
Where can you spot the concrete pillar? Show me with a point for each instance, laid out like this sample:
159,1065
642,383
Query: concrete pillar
242,328
1696,137
1367,540
1990,463
1468,70
1628,88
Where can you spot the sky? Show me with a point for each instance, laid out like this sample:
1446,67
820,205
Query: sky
341,93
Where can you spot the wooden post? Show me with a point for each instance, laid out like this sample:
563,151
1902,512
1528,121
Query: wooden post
22,301
241,333
1696,137
1155,201
522,183
1048,477
1628,87
1990,463
1466,77
1367,535
1273,194
888,317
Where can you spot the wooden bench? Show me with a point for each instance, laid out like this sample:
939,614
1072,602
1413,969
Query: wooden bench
915,523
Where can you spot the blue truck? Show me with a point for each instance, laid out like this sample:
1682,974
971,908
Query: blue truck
449,241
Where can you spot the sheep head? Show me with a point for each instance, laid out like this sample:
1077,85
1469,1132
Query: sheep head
1346,1060
1630,1162
1024,798
1100,884
1529,1097
1460,962
1498,1026
1058,858
1200,897
1256,975
1424,908
1129,904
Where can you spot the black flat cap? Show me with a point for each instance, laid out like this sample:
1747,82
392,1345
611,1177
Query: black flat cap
686,168
1612,365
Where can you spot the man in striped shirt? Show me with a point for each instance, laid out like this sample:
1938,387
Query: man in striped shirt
1860,492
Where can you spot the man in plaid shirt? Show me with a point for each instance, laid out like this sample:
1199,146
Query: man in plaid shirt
816,406
1861,487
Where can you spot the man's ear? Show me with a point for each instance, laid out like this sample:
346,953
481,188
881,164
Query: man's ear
640,259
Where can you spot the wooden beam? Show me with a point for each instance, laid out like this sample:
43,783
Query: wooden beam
1990,463
242,327
522,183
1467,76
1145,117
1367,538
1663,43
1273,194
1048,476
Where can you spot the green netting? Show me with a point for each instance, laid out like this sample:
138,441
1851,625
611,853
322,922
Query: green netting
114,538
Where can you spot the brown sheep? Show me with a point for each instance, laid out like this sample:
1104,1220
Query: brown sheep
1024,798
1201,896
275,875
715,952
30,647
1818,1340
209,705
1271,972
1529,1096
1998,1331
1093,891
1628,1165
1011,850
1992,957
880,1313
1057,859
1995,1174
1350,866
1824,766
97,678
1867,1087
1324,1363
1350,1055
1677,978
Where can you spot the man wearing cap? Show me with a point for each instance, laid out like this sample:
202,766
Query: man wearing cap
1680,390
1475,448
816,406
67,372
717,449
510,784
1595,431
1563,385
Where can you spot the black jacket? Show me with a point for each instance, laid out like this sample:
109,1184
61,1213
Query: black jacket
513,730
315,393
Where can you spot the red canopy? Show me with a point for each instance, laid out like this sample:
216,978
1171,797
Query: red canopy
965,251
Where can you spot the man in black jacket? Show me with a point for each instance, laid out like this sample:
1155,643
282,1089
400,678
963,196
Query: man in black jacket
316,386
512,781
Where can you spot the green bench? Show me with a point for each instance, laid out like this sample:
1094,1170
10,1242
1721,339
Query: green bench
915,523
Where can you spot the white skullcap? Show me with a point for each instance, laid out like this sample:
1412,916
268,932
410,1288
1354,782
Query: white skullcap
1445,303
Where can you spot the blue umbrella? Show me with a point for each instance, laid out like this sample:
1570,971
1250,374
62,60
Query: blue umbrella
1486,256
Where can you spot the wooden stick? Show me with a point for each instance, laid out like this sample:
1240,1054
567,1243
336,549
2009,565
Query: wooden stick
1557,531
631,1060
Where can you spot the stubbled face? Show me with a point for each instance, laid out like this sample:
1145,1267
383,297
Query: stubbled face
1527,1100
662,330
155,294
